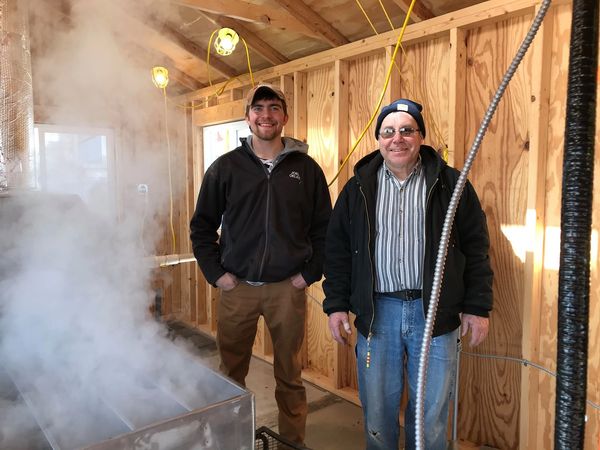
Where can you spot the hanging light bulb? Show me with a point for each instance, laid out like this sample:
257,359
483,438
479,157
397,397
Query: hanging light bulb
226,41
160,77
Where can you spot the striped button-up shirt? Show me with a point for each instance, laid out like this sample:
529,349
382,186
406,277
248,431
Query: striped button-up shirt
400,230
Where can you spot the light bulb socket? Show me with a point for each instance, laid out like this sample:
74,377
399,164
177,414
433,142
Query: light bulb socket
160,77
226,41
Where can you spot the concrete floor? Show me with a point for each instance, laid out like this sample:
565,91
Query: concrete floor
332,423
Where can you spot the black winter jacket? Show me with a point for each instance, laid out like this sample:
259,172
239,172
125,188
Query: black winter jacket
349,270
273,225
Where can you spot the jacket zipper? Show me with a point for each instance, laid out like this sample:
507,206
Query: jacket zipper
264,256
425,241
368,359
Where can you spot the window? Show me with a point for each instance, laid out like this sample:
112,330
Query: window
77,161
219,139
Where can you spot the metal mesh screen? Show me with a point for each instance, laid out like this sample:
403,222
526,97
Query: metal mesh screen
16,96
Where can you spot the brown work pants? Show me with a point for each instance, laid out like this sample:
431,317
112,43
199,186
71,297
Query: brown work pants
284,311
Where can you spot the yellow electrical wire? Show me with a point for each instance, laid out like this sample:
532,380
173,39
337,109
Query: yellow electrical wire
247,59
373,27
216,94
387,81
386,14
360,6
208,63
208,56
174,250
436,130
166,98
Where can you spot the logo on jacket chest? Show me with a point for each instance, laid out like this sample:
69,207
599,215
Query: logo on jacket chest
295,175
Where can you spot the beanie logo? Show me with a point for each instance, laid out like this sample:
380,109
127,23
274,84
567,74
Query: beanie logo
401,107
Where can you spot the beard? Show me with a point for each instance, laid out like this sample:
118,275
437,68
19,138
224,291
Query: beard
268,134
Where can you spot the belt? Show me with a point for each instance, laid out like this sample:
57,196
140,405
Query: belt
406,294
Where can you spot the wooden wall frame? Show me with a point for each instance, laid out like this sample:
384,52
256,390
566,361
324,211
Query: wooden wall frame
453,64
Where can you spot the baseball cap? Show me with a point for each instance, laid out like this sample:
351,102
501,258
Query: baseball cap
265,90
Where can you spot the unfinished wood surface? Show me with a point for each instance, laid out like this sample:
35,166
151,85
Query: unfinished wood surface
340,121
541,55
286,84
320,350
424,79
487,12
544,436
300,104
489,401
366,80
549,321
504,175
457,66
320,113
349,376
190,204
220,113
320,136
393,89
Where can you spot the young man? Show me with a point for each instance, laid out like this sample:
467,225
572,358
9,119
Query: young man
272,203
381,251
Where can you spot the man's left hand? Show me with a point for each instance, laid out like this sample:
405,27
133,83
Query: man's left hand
298,281
479,327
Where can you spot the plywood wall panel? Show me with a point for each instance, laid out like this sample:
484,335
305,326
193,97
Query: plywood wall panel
548,329
320,111
424,79
320,97
319,346
366,80
489,401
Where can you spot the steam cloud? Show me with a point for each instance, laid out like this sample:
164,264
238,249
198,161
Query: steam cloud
74,291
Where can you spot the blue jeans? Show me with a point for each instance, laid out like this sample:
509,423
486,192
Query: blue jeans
397,333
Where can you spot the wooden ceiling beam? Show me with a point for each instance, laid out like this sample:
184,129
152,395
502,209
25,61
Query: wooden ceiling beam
257,44
194,49
419,12
147,55
474,16
183,78
250,12
299,9
155,35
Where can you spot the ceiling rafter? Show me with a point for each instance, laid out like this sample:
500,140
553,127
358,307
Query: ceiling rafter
419,12
194,49
257,44
175,74
163,38
183,78
250,12
314,21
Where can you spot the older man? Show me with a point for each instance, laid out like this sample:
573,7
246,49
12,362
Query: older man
380,257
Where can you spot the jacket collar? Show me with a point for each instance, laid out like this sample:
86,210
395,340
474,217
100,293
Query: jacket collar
366,169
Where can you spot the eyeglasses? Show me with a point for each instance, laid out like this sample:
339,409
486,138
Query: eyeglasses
389,132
